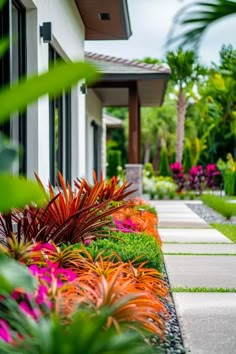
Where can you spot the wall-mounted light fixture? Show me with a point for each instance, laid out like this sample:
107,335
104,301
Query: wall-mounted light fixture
83,88
46,32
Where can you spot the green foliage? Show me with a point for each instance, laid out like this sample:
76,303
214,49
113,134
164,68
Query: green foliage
85,334
60,77
229,182
148,170
164,169
17,192
227,230
130,246
8,154
15,275
114,161
184,67
187,159
196,17
220,205
191,195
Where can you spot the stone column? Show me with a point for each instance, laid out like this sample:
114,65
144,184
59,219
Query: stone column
134,176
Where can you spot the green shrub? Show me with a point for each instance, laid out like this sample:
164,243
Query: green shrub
191,195
132,247
187,159
182,195
171,194
164,169
114,160
220,205
229,182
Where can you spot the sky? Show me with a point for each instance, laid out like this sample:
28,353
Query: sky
151,21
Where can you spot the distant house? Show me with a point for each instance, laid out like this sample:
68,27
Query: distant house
65,133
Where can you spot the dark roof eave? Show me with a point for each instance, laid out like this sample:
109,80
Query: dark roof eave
126,19
119,77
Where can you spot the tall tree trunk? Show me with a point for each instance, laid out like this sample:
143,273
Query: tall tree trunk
156,157
181,111
147,150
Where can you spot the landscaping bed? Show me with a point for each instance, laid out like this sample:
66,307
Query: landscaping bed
89,275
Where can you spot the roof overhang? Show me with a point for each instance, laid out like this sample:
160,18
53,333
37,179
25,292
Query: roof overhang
113,89
105,19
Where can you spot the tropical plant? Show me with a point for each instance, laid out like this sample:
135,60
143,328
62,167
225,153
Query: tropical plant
67,217
52,336
113,160
185,71
178,175
196,178
164,169
199,15
187,163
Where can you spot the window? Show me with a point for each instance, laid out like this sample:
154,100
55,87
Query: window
96,147
13,67
59,131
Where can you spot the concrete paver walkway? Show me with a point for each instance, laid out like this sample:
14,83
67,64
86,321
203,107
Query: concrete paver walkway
207,319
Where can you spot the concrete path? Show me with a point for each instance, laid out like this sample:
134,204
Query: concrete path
197,256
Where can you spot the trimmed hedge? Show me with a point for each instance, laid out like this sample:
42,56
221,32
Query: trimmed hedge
132,246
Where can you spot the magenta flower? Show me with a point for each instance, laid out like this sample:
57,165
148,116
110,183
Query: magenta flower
44,247
126,225
5,334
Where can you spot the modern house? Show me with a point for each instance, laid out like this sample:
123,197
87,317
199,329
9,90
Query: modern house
66,133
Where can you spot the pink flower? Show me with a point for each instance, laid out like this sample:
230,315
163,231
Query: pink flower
43,247
5,334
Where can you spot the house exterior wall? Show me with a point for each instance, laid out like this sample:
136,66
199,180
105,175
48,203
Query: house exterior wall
68,40
94,114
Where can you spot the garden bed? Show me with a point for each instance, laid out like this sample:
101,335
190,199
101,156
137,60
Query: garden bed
87,260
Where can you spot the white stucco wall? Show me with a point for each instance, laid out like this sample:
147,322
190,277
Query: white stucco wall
93,112
68,40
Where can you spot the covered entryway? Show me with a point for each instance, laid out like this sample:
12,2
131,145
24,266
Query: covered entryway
131,84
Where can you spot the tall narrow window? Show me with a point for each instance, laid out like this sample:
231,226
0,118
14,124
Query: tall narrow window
96,147
13,67
59,131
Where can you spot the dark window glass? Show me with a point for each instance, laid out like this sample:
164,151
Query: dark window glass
96,147
13,67
59,130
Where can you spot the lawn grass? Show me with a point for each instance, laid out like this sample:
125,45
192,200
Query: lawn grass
227,230
202,290
220,205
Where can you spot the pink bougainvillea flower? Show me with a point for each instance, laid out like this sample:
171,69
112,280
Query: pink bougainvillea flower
87,242
44,247
5,334
32,312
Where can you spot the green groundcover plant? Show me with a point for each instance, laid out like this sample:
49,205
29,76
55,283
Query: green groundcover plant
220,205
128,246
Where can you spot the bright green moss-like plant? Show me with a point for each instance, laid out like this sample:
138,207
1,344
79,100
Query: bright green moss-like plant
130,246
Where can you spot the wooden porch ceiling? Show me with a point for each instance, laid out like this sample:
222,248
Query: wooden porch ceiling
105,19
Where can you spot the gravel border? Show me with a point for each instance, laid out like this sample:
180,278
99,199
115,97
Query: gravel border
209,215
173,343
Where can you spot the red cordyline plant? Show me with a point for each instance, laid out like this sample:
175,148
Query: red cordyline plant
110,189
196,178
211,174
178,175
67,217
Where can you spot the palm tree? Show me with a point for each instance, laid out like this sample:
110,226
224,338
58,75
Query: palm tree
184,73
199,15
